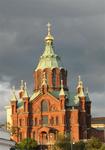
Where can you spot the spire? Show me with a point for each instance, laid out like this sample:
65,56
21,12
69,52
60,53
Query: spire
13,95
49,38
21,86
80,88
62,92
80,83
25,91
87,91
49,59
87,94
81,93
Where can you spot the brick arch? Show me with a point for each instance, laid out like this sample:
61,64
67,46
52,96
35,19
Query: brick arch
53,107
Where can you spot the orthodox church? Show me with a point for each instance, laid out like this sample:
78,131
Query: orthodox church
52,109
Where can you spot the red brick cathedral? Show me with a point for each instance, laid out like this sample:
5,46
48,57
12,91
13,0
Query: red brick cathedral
52,109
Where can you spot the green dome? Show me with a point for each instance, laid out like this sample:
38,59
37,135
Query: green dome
49,59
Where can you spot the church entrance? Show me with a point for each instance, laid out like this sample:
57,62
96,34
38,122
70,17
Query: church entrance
44,138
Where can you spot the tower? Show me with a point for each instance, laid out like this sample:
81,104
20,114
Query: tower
50,64
52,108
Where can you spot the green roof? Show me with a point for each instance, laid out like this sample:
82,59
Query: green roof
73,99
49,59
20,103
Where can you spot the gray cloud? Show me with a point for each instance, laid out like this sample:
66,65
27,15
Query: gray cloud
79,31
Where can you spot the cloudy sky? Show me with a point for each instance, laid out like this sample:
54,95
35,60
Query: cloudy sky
78,27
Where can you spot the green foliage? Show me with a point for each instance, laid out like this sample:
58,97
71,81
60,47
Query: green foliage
27,144
93,144
103,147
79,146
63,143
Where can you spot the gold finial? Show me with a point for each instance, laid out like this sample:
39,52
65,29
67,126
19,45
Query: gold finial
25,86
13,89
49,28
25,91
13,98
79,78
80,81
61,83
22,85
62,92
49,38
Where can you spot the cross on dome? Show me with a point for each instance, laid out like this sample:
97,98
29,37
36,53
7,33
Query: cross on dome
79,78
49,37
49,28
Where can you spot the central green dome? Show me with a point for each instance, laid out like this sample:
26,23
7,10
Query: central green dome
49,59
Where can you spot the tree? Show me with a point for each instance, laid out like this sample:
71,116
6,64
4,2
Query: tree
63,142
27,144
93,144
79,146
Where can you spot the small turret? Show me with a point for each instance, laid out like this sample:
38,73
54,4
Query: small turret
13,101
80,88
13,95
21,91
26,98
25,95
62,96
62,92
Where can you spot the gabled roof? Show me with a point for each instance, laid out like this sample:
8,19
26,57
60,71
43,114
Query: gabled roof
34,95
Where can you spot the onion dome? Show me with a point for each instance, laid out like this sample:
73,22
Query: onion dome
49,59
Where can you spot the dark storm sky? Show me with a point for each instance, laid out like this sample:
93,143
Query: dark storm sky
78,27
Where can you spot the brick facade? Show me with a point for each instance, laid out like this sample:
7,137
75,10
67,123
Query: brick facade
52,108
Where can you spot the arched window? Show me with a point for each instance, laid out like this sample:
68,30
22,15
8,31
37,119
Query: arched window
24,106
13,109
20,136
52,120
57,120
35,121
54,78
44,106
33,135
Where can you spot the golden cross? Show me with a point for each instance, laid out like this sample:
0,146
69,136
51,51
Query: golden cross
49,28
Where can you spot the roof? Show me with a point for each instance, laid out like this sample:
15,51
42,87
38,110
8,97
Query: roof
34,95
49,59
98,120
20,103
73,100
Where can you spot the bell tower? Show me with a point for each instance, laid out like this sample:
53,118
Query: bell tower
50,64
